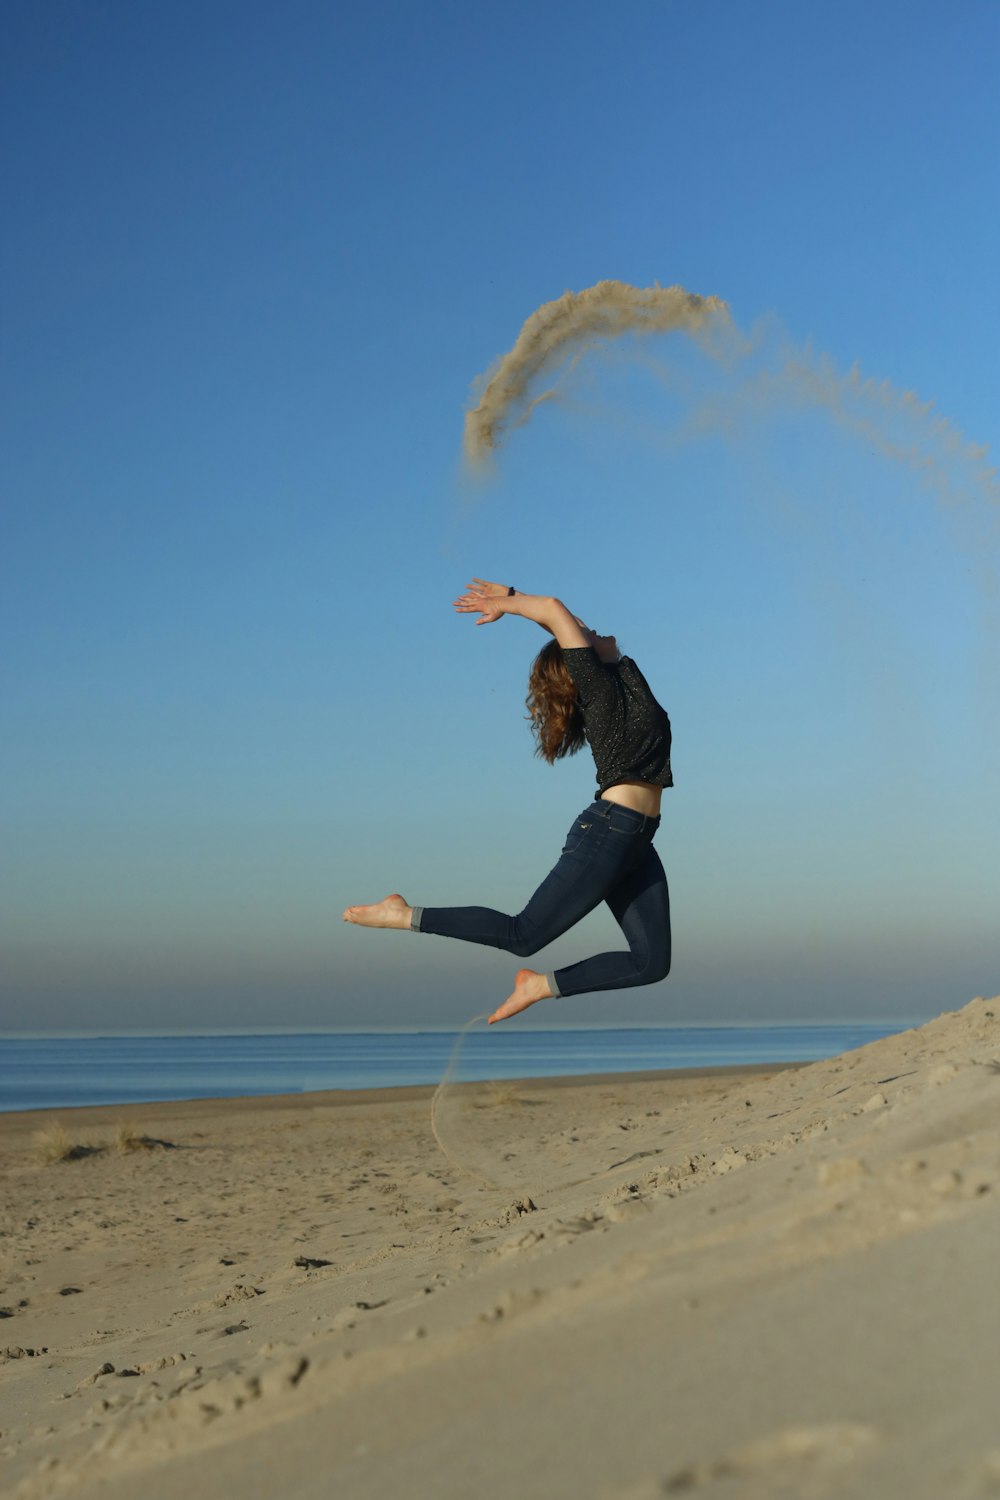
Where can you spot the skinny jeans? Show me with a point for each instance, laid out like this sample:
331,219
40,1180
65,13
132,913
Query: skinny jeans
608,856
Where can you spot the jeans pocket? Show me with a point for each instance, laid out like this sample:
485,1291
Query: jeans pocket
577,834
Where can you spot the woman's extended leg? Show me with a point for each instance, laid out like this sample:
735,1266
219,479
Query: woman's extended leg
590,865
594,860
603,843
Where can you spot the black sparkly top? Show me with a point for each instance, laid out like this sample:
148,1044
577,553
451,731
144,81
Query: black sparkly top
627,730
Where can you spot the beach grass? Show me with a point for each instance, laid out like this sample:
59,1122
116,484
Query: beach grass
52,1144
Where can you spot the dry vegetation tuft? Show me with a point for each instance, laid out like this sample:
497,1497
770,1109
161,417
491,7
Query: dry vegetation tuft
52,1144
504,1094
130,1138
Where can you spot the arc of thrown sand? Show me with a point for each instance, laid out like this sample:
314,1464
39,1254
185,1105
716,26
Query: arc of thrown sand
463,1166
446,1079
604,311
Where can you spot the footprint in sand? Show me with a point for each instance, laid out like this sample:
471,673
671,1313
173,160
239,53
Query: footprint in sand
520,1242
781,1462
626,1209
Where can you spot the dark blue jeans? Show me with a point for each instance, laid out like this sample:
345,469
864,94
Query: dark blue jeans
608,856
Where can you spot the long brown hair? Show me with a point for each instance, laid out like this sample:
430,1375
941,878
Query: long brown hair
553,706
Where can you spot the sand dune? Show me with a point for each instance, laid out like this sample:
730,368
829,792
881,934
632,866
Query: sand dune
775,1283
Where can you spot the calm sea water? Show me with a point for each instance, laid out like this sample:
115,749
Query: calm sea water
60,1072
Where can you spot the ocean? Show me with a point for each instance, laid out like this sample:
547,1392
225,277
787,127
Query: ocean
63,1072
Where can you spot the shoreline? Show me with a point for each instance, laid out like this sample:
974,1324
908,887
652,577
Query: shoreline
386,1093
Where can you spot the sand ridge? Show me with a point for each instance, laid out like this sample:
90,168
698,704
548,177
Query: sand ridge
765,1283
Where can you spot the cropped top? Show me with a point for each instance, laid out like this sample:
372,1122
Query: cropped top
627,730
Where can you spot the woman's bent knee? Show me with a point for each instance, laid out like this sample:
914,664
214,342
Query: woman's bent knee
656,969
527,934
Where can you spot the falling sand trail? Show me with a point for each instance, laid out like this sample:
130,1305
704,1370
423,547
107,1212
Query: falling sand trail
761,373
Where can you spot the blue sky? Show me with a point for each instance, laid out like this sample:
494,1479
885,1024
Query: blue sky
254,257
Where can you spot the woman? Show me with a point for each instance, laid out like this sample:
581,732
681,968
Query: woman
581,688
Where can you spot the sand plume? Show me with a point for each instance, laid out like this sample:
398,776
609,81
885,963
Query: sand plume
565,328
753,375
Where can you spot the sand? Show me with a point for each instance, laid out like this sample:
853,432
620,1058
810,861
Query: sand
768,1283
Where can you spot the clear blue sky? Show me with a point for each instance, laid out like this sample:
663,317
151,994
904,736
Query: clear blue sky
253,257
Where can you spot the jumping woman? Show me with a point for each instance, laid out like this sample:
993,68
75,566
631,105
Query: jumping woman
581,689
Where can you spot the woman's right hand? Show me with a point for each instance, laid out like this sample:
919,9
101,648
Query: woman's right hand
482,599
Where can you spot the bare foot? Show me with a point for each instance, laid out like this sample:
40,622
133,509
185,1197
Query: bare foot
529,988
392,912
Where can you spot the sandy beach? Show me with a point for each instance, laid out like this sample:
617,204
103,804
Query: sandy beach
782,1282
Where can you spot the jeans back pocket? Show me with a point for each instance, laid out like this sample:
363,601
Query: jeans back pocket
576,835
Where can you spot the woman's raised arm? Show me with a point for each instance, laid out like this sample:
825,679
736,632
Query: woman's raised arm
491,600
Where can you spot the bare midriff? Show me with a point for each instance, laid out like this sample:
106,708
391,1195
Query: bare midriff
640,796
